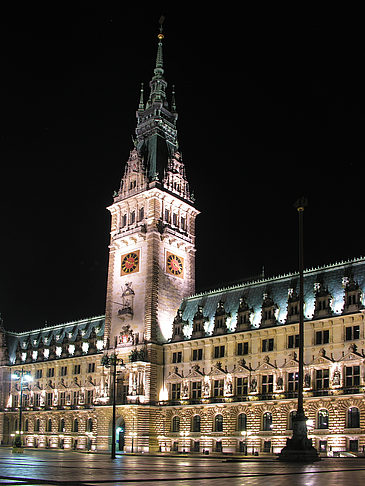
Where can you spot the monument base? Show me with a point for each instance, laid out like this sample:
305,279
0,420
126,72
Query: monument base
299,448
299,451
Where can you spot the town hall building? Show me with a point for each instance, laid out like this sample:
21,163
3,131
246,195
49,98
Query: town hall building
215,372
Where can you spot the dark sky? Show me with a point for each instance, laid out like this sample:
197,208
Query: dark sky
271,107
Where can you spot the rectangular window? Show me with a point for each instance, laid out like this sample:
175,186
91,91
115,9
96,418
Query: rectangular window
323,337
91,368
197,354
62,399
352,376
293,341
322,379
267,345
89,397
219,351
38,374
177,357
175,391
77,369
242,348
267,384
196,389
50,372
63,371
293,381
241,386
218,388
75,397
352,333
25,400
37,399
49,399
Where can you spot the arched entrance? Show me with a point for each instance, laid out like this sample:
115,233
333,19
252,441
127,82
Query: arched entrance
120,434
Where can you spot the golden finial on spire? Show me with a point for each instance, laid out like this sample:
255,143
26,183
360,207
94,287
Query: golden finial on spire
161,21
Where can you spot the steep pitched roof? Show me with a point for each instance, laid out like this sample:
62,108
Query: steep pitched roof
329,276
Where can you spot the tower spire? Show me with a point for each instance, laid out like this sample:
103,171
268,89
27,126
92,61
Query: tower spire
158,84
159,58
141,100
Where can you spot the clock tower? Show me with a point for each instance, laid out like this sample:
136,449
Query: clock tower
152,244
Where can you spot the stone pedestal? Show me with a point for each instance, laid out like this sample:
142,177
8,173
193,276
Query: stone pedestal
299,448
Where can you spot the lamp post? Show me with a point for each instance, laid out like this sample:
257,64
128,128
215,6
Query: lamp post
112,362
245,434
299,448
23,376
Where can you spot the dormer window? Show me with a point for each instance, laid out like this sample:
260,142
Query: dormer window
268,317
352,297
293,306
323,299
243,315
220,326
198,323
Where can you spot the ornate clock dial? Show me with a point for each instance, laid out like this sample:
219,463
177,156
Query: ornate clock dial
130,263
174,265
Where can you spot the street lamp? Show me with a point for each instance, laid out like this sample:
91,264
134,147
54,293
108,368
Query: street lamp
299,448
113,361
245,434
184,434
22,376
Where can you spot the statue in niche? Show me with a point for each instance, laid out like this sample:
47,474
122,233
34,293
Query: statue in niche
206,389
336,379
185,390
279,383
307,380
253,385
229,387
126,310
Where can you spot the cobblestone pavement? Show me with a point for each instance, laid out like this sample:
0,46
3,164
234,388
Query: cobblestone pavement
36,467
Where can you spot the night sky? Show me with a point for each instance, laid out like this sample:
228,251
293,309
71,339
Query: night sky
271,107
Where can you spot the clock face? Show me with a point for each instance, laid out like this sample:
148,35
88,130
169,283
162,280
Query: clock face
174,265
130,263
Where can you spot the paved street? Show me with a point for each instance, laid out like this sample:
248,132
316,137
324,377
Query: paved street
71,468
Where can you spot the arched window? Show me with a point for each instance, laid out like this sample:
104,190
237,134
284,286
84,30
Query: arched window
37,425
291,419
322,419
175,424
26,425
49,425
89,425
218,423
353,418
195,423
61,425
241,422
267,421
75,425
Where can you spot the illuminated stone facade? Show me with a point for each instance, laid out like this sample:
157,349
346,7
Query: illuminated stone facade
211,372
